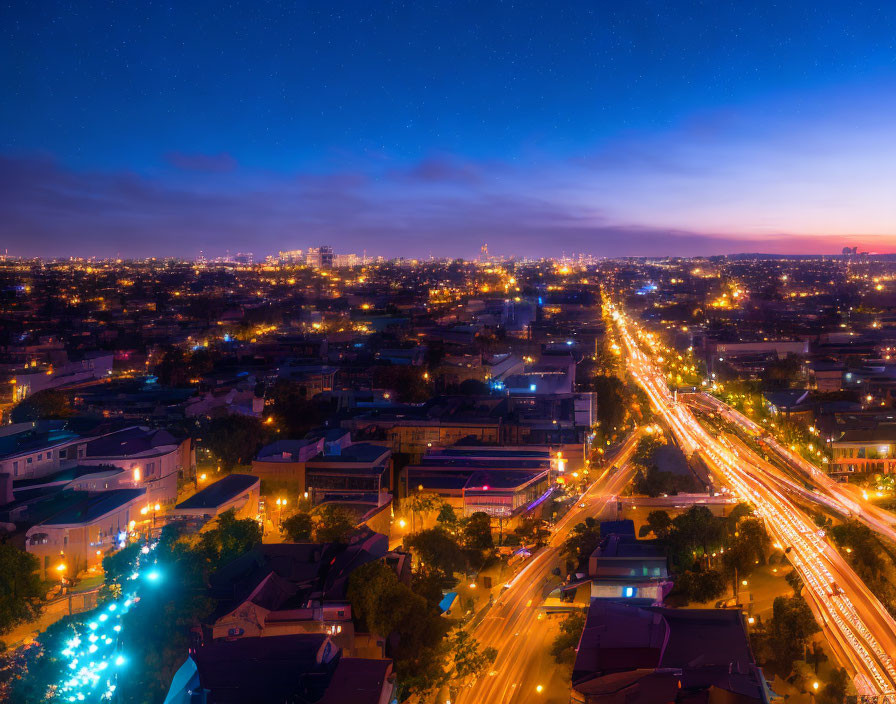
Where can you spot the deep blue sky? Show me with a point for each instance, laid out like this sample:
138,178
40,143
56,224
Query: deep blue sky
417,128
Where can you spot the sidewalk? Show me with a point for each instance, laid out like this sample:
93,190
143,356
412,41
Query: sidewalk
78,600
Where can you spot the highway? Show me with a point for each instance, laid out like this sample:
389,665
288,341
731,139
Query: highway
831,493
513,626
859,629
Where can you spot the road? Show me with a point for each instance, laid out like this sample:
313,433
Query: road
513,626
859,629
841,497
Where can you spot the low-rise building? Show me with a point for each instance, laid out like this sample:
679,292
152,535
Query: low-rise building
83,527
625,568
290,668
360,472
291,588
650,654
861,451
239,492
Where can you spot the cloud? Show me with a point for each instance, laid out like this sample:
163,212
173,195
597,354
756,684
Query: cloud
207,163
643,200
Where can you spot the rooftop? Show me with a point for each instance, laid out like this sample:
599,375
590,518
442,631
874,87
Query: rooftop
220,492
85,509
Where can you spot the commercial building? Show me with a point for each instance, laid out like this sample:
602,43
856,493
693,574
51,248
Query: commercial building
360,472
861,451
625,568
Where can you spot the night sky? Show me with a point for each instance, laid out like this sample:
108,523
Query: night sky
420,128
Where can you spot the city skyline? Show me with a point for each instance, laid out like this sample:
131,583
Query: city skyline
625,131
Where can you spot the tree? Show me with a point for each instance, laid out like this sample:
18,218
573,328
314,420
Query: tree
817,655
438,552
298,527
563,649
477,532
20,586
385,606
406,382
660,523
447,518
610,396
43,405
159,627
230,538
790,628
234,439
740,510
468,660
293,412
645,448
700,585
582,541
695,529
864,551
834,692
420,504
795,581
116,568
335,524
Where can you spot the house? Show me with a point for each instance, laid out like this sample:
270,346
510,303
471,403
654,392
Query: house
630,654
291,588
301,668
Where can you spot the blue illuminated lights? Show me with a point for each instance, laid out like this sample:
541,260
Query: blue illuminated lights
96,649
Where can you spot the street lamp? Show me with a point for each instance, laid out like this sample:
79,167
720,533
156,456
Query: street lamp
280,504
60,568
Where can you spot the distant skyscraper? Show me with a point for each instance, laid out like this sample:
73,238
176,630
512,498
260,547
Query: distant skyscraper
291,256
483,253
320,257
346,260
326,257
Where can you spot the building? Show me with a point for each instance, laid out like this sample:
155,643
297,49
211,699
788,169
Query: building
239,492
34,450
291,256
155,458
360,472
296,588
861,451
827,376
293,668
625,568
82,528
646,654
320,257
91,367
283,461
504,482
